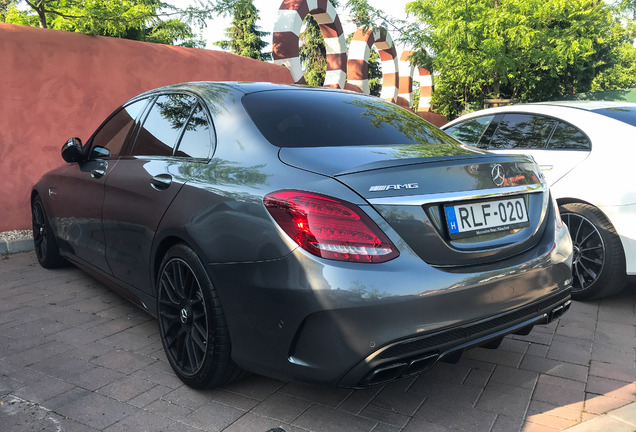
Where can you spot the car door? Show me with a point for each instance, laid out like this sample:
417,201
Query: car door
556,146
79,194
174,135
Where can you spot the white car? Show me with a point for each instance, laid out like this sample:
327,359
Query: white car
587,152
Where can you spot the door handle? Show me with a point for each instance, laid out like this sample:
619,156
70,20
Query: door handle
546,167
98,172
161,181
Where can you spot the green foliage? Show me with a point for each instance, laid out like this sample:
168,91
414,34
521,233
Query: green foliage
526,49
313,54
244,37
146,20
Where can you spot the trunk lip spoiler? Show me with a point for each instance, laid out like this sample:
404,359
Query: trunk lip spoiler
420,200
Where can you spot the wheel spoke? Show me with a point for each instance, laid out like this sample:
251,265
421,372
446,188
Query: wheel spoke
183,318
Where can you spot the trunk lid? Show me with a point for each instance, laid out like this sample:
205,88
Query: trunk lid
463,209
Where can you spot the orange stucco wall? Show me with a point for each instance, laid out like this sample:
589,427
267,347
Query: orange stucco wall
55,85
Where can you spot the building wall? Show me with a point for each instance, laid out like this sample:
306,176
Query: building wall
55,85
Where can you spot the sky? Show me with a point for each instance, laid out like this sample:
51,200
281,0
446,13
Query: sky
268,11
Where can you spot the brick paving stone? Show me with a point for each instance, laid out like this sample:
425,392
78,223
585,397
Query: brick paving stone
514,345
323,419
123,361
149,396
418,425
250,422
599,404
615,354
95,378
466,418
126,388
507,424
551,421
520,377
615,372
141,421
506,358
331,397
396,398
385,416
459,395
282,407
478,378
504,399
562,411
62,366
159,372
45,388
169,409
213,417
255,387
187,397
231,399
611,388
616,333
554,368
535,427
559,391
90,408
359,399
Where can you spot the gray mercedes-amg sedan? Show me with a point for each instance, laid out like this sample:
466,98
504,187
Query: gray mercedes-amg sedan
304,233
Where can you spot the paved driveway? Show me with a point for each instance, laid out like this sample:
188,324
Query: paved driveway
75,356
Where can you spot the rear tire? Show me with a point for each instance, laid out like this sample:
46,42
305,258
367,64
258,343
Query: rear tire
192,325
46,249
598,266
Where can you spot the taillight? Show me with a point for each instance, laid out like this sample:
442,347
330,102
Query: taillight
329,228
557,213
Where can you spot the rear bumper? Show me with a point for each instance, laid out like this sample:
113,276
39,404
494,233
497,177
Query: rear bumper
355,325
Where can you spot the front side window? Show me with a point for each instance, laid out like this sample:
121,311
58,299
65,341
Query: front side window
522,131
160,131
470,131
110,139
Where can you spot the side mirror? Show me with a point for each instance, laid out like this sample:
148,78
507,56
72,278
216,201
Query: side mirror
72,150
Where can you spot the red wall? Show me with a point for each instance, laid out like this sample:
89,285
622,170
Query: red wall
55,85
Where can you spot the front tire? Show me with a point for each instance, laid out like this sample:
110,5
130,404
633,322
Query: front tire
46,248
192,325
598,266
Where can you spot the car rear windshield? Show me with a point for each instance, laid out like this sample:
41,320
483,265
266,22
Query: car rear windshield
625,114
306,118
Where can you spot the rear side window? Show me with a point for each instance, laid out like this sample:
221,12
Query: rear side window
198,135
163,125
320,118
568,137
525,131
470,131
109,140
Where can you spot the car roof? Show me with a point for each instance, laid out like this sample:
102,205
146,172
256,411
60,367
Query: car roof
587,105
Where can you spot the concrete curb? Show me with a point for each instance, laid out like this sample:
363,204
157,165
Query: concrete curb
619,420
15,246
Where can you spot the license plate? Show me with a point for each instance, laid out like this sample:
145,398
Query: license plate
486,217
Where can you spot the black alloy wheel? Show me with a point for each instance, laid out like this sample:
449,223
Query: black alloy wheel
191,322
46,248
598,264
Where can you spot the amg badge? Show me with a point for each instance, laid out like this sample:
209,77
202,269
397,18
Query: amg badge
393,187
